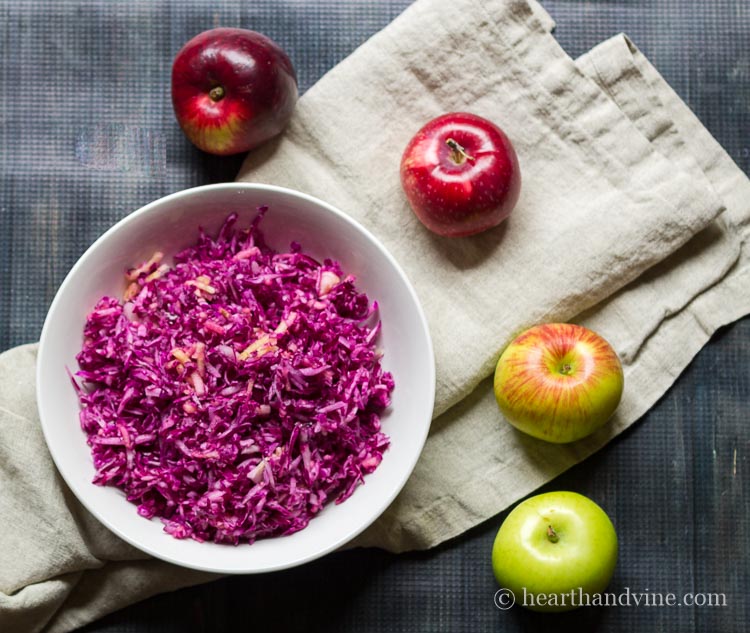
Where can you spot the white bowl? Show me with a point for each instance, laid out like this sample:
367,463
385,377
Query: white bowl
170,224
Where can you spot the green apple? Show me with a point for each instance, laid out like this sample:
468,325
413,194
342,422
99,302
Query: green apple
558,382
553,550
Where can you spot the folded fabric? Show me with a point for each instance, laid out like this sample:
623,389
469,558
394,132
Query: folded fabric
632,221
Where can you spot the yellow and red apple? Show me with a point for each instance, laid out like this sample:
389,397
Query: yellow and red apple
558,382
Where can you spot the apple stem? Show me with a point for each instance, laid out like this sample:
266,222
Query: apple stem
565,369
216,93
458,152
552,535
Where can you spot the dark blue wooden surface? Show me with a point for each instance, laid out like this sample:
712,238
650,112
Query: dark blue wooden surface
87,135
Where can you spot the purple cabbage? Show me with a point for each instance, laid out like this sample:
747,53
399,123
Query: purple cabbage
237,392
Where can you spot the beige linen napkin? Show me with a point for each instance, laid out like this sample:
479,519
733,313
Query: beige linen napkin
632,220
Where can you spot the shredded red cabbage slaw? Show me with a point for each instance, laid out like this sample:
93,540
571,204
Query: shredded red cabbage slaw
236,392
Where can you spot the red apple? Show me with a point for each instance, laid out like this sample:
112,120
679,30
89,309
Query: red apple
232,89
558,382
460,174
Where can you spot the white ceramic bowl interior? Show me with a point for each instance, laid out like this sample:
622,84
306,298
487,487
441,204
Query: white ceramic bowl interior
170,224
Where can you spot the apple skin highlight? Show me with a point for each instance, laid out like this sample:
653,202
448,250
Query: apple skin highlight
558,382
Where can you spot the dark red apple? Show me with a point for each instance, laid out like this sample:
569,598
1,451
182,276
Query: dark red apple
460,174
232,89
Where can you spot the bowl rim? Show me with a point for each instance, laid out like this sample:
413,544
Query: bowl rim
146,547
